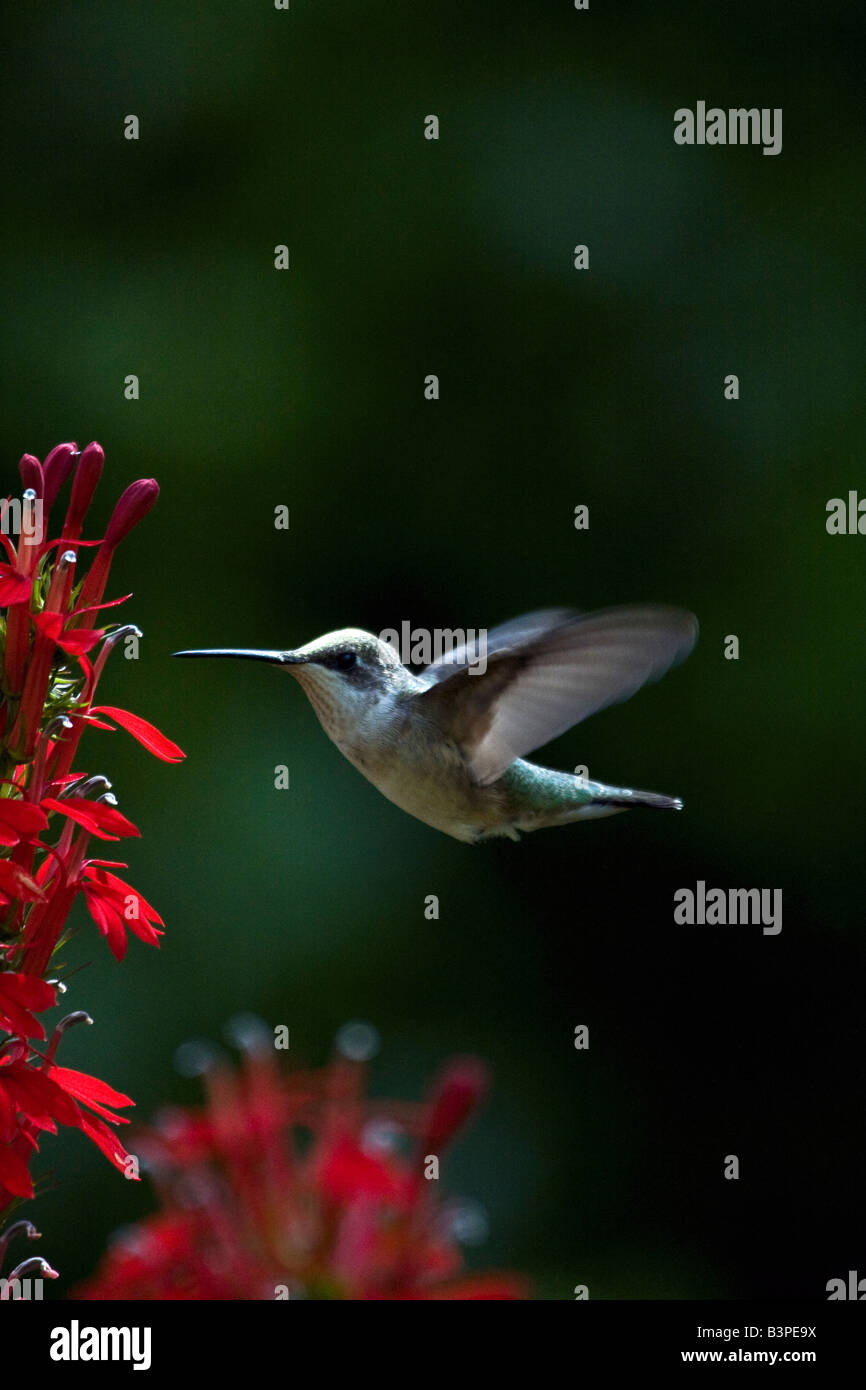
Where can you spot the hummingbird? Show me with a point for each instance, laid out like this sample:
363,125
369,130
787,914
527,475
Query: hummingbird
447,745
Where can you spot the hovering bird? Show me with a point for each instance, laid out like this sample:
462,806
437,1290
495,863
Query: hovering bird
447,745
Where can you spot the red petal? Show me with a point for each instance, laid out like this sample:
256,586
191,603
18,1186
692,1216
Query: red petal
145,932
19,996
49,624
95,816
28,990
88,1088
24,816
147,734
20,1021
16,883
13,1174
14,588
109,922
95,607
106,1140
81,640
40,1098
110,883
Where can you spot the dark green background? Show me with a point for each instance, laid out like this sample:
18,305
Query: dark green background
605,388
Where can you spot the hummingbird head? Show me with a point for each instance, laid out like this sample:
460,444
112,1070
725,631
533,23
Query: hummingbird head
345,675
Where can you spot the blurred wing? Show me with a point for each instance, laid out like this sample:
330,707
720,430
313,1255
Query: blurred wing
548,673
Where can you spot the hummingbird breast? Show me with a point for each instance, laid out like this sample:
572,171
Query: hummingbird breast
405,755
407,759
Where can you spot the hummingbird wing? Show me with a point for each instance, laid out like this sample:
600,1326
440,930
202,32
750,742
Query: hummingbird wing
517,632
547,672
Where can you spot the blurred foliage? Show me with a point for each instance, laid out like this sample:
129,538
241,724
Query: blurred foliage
260,127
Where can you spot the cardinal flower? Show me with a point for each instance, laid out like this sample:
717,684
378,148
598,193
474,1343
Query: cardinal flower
55,639
115,906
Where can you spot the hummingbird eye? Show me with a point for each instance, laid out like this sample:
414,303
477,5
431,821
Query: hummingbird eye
344,661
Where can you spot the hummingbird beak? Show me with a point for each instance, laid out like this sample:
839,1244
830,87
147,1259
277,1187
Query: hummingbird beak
250,654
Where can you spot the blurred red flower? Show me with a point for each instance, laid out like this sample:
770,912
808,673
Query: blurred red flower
296,1185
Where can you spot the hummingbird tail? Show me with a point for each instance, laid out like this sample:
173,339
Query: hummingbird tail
625,797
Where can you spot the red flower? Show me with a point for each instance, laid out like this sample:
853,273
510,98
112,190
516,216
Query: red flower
34,1097
96,1096
288,1185
47,689
114,906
